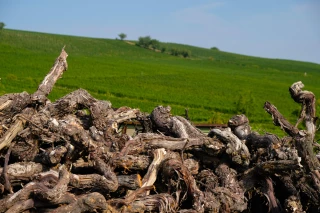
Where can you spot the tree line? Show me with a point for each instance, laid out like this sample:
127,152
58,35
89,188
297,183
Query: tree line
154,44
149,43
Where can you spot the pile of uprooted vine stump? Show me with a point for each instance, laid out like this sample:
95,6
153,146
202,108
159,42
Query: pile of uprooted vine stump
70,156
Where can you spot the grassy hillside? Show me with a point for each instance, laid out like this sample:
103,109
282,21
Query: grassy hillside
214,85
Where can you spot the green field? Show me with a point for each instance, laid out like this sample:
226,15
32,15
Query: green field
214,85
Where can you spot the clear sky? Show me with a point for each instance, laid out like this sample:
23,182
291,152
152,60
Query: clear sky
288,29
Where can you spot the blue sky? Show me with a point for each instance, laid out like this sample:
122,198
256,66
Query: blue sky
288,29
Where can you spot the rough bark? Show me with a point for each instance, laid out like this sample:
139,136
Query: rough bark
239,125
131,162
86,203
152,173
175,166
175,126
162,202
59,66
107,171
236,149
70,155
11,133
303,141
21,206
91,181
130,181
308,108
12,104
142,142
22,171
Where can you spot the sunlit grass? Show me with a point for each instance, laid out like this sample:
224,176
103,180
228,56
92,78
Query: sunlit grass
209,84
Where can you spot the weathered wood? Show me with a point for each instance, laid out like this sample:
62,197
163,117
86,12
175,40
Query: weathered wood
192,165
303,141
19,196
89,181
130,181
81,153
236,149
230,192
73,101
173,167
59,66
23,171
254,140
151,176
161,202
133,195
207,180
22,100
268,191
146,141
308,108
267,168
175,126
1,188
21,206
5,102
7,185
86,203
81,164
145,121
279,120
58,192
11,133
52,156
239,125
293,204
25,147
154,203
106,119
106,170
13,104
68,129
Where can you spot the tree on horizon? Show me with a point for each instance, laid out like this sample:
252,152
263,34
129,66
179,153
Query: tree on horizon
2,25
122,36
